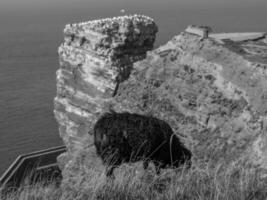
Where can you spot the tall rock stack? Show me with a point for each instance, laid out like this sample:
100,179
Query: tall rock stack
95,58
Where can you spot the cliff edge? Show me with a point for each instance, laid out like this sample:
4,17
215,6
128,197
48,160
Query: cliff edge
211,89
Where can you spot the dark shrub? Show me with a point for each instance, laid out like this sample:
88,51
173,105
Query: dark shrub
125,137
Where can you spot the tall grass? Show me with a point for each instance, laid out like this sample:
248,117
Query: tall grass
38,191
132,182
34,185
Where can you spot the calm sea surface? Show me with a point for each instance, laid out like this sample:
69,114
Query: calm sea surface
29,38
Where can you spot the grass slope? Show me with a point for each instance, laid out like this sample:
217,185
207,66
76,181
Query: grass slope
132,182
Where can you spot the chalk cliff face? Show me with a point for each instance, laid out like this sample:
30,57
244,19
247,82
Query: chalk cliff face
213,93
94,58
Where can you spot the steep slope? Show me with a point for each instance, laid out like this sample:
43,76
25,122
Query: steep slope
213,95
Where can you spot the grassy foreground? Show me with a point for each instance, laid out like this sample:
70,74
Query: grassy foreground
132,182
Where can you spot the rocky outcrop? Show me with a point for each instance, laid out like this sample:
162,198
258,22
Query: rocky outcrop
94,58
211,91
213,95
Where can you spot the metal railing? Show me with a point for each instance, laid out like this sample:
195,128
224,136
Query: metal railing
35,164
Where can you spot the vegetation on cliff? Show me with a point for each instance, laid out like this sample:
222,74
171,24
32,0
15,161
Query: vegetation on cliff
132,182
212,92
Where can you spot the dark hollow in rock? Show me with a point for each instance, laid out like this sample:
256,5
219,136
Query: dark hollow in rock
124,137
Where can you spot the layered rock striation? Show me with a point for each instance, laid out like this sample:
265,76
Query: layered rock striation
95,58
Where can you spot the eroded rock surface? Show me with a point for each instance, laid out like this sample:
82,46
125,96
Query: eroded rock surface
213,95
94,58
